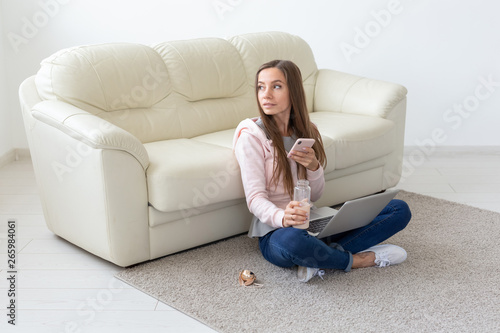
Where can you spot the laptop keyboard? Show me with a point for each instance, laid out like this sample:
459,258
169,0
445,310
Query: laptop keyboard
318,225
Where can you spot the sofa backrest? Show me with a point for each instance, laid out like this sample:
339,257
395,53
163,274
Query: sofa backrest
258,48
178,89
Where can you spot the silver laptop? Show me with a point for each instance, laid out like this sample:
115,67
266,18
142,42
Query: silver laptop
353,214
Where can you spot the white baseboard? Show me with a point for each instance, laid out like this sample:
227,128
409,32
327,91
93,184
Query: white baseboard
14,155
24,153
8,157
452,150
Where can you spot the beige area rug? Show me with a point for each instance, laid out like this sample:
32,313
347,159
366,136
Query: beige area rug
449,283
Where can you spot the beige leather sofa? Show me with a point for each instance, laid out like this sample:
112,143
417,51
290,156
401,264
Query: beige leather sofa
131,144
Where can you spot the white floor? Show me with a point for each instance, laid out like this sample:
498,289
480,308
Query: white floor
61,288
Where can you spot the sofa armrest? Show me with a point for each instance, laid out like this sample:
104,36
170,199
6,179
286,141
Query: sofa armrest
341,92
89,129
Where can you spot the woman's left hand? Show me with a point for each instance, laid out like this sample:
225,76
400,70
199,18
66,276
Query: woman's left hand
306,157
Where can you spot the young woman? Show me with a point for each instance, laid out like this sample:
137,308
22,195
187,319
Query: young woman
269,176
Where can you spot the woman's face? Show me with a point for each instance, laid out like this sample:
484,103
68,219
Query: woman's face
273,93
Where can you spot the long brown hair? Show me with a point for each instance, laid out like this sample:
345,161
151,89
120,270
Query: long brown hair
299,122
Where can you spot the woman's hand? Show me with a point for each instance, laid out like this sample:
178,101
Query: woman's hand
294,215
306,157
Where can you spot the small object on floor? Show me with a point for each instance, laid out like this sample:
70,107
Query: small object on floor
246,277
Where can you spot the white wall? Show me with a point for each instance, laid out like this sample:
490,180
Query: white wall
6,142
443,52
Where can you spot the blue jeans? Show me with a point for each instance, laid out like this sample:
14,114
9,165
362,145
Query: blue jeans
287,247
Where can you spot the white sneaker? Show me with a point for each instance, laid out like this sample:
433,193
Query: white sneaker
387,254
307,273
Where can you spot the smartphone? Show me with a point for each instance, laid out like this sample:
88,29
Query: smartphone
301,143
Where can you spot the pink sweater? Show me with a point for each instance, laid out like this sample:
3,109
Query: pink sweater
255,155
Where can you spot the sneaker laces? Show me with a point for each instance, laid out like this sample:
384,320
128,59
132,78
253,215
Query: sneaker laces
320,273
382,262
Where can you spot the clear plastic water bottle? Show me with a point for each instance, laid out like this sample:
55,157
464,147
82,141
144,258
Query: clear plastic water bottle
302,193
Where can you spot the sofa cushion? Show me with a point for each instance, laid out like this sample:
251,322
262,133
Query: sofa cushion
210,92
104,78
190,173
351,139
204,68
171,90
203,169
